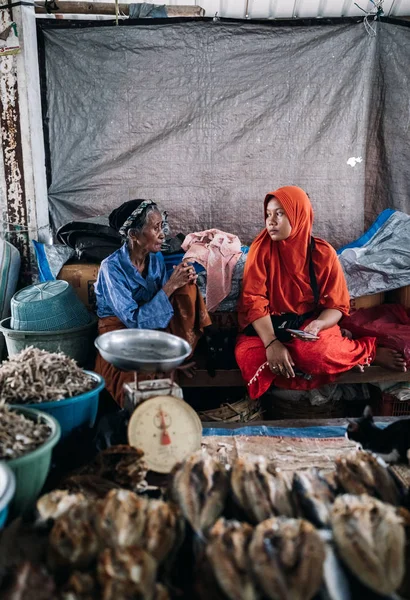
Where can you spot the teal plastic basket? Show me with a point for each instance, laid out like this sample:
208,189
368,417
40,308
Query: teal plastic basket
49,306
31,470
76,411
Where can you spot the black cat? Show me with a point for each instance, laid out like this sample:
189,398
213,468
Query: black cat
220,349
392,444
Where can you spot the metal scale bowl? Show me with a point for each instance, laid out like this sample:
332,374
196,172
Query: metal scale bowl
165,427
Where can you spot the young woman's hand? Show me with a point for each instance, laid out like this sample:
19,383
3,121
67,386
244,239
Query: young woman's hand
315,327
182,274
280,360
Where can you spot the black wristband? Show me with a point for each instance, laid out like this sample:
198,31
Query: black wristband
271,342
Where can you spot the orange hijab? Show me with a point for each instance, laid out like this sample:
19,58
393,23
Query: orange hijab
276,277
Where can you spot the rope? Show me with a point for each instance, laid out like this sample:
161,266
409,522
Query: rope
372,16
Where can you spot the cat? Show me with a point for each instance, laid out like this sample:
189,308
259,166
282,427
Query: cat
392,444
220,349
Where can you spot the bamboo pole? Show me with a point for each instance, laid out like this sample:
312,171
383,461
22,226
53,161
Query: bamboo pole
108,8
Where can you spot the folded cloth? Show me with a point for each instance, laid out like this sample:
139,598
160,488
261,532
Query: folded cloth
218,252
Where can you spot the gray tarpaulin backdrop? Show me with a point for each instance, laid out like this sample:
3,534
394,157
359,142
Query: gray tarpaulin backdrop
207,117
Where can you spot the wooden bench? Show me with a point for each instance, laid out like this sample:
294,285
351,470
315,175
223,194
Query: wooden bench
233,377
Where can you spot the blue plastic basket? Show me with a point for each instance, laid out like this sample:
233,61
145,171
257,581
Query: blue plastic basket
7,488
49,306
76,411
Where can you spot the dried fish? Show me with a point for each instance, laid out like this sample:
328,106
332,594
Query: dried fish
335,584
34,375
20,435
261,490
404,589
287,557
73,540
91,486
120,518
163,530
80,586
161,592
363,473
30,581
125,519
227,552
370,539
314,496
122,464
56,503
199,486
125,573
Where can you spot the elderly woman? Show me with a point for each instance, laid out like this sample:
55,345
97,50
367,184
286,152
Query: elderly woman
294,281
134,291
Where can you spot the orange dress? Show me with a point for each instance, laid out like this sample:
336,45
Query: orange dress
277,281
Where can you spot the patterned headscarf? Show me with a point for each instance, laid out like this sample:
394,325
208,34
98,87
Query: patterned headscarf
135,217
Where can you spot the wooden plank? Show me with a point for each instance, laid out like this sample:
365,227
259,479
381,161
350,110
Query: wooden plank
108,8
233,378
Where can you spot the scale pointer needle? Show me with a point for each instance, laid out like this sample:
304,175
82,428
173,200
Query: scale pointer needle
165,439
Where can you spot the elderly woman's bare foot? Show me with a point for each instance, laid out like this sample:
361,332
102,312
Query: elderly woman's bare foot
390,359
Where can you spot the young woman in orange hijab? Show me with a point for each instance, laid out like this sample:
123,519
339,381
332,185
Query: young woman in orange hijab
295,281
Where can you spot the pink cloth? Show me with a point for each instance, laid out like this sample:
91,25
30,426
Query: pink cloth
218,252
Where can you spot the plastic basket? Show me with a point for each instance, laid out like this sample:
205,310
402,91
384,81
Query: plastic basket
391,406
49,306
77,411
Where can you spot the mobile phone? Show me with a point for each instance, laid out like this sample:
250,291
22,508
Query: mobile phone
303,335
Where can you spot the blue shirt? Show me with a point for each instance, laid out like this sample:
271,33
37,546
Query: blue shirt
122,291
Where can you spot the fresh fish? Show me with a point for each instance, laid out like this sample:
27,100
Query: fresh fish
287,557
261,490
199,486
370,539
314,496
363,473
127,573
227,552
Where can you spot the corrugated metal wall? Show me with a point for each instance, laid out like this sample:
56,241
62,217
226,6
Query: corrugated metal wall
287,9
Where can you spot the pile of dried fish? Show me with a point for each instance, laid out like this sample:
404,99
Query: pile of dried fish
343,536
20,435
120,540
34,375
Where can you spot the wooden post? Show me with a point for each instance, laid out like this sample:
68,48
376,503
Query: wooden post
23,187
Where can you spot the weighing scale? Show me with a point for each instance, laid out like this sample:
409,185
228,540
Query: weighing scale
162,424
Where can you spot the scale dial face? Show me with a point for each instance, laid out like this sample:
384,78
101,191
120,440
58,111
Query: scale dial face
167,429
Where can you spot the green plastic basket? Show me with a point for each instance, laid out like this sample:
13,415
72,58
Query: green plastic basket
31,470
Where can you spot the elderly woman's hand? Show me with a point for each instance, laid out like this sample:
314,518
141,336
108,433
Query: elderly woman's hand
280,360
183,273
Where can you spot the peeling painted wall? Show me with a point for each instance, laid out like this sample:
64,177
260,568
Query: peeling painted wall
14,209
23,186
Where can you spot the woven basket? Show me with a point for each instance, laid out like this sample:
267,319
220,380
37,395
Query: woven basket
303,409
242,411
